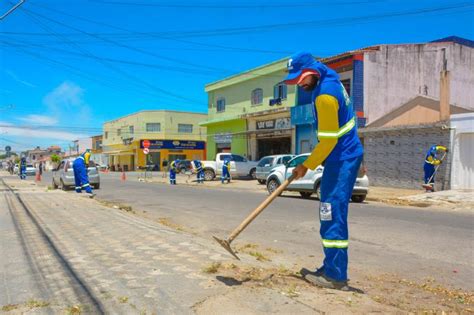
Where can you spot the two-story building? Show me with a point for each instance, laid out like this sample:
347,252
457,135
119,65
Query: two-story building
171,135
249,113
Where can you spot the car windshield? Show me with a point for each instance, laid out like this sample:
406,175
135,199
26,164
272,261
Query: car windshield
297,160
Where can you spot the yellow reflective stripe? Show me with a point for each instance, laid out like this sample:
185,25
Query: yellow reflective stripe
335,243
337,134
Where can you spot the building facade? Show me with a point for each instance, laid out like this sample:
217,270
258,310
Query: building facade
171,135
249,113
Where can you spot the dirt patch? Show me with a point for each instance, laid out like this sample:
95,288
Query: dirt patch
373,293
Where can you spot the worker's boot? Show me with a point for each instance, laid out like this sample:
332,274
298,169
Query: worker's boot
324,281
318,272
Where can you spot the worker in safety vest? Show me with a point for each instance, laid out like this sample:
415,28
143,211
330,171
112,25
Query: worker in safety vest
81,179
340,150
173,171
433,160
225,171
199,171
22,168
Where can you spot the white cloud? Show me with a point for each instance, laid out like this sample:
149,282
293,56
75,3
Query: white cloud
25,132
17,79
66,101
39,120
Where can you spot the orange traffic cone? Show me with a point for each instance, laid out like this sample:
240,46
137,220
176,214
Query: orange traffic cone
124,177
38,177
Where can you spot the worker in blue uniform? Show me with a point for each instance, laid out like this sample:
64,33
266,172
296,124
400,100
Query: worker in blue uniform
22,168
340,150
225,171
199,171
173,171
433,160
79,166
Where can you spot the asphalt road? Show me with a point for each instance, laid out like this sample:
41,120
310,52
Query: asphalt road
415,243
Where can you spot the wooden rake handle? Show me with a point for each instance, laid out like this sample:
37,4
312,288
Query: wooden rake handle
260,208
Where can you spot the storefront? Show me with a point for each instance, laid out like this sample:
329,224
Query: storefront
161,152
226,136
270,133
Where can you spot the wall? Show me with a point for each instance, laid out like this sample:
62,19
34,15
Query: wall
395,157
462,151
238,143
397,73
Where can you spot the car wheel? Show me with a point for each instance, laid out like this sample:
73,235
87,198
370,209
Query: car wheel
253,173
54,185
97,186
261,181
317,190
209,175
62,186
305,194
272,185
358,198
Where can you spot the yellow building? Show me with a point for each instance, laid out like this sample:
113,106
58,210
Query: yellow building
171,134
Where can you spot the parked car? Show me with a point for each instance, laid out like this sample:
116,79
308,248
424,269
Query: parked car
30,170
239,166
267,163
311,182
63,175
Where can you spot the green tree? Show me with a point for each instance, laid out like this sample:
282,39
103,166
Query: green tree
55,158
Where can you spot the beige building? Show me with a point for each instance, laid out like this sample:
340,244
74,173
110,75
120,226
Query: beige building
171,135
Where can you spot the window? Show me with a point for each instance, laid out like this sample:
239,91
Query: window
285,159
298,160
257,97
106,135
185,128
265,162
347,86
279,91
220,104
130,129
98,144
238,158
224,157
119,132
153,127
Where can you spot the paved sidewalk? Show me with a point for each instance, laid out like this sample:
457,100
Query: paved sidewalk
91,258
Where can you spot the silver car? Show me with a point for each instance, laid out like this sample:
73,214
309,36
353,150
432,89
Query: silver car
30,170
63,175
311,182
267,163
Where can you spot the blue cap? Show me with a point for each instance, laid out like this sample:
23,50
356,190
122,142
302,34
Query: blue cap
297,63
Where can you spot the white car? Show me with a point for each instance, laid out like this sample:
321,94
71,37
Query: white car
311,182
239,166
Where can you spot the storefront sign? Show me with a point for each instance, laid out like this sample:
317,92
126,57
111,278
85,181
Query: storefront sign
175,144
279,123
223,138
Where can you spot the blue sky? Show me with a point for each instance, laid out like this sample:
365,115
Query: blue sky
68,66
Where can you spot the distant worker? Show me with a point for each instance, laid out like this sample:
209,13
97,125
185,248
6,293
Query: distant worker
199,171
22,170
173,171
225,171
433,161
79,166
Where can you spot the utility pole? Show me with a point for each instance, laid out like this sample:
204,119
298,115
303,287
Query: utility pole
12,9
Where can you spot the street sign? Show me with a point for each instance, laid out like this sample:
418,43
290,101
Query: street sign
146,150
146,144
8,148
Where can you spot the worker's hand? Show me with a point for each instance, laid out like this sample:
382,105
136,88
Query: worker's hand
300,171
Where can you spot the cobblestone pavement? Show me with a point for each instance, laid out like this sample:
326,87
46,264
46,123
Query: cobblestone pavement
80,253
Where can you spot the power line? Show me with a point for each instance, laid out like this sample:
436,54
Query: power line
234,6
116,69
